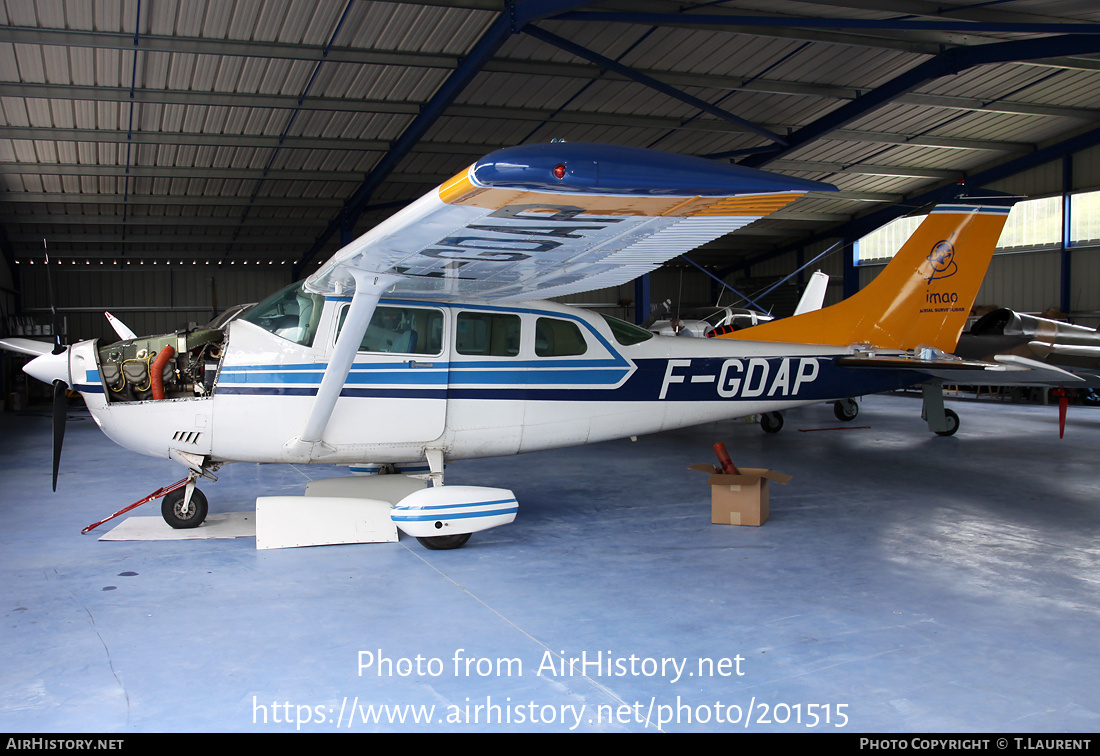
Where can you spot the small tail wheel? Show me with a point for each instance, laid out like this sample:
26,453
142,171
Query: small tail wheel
173,512
771,422
952,423
845,409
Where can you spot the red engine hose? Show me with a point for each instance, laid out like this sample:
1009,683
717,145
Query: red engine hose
156,372
724,459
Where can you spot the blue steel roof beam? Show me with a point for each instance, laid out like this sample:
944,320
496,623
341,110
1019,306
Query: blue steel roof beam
649,81
947,63
858,24
511,20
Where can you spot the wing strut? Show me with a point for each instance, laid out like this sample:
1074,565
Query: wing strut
369,288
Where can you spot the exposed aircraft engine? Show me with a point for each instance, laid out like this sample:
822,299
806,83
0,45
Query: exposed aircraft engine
171,366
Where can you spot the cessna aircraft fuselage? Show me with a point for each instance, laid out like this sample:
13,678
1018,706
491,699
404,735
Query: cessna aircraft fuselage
468,379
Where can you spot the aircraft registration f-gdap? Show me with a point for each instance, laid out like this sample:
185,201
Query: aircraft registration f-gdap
427,339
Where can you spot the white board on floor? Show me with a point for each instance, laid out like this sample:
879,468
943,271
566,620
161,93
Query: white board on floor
291,521
222,525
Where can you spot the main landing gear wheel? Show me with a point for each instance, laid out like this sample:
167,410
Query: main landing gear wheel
442,543
771,422
952,423
171,509
845,409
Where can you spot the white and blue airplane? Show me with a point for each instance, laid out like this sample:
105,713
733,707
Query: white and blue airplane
429,339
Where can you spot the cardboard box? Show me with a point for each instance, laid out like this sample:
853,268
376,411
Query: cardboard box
740,499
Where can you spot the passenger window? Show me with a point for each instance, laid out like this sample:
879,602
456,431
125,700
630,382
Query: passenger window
402,330
487,334
558,338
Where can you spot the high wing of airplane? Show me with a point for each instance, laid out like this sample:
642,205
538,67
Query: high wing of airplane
427,339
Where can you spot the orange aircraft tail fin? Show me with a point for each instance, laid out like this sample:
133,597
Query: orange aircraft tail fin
922,297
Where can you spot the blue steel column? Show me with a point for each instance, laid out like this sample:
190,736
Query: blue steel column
347,229
1067,232
642,297
851,271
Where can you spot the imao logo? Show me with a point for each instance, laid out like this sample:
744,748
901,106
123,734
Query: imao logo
942,261
949,297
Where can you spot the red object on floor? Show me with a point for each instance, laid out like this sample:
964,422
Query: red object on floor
724,459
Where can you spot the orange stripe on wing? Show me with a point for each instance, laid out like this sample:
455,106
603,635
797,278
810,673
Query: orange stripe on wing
760,204
459,190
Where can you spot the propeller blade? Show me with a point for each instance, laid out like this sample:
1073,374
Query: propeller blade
121,328
59,412
57,346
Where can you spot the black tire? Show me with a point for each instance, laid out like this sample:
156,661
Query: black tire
952,423
172,505
443,543
846,410
771,422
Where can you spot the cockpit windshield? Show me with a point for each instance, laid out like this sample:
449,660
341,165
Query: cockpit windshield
626,333
292,314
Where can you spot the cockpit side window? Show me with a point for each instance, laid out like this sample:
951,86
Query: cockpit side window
558,338
292,313
489,334
403,330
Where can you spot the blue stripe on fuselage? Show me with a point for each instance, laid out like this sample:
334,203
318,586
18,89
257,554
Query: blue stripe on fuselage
697,379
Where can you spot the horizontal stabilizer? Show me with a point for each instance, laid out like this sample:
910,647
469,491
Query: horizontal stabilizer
1008,370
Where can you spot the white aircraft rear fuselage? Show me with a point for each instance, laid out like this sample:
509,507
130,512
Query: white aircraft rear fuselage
395,405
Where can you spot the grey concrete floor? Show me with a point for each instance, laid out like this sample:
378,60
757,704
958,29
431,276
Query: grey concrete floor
904,583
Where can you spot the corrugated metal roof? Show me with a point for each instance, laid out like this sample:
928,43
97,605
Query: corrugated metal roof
233,130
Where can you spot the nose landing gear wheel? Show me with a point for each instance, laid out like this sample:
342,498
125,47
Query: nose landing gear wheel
171,509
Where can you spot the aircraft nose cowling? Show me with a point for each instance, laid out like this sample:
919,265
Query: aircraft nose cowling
49,367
